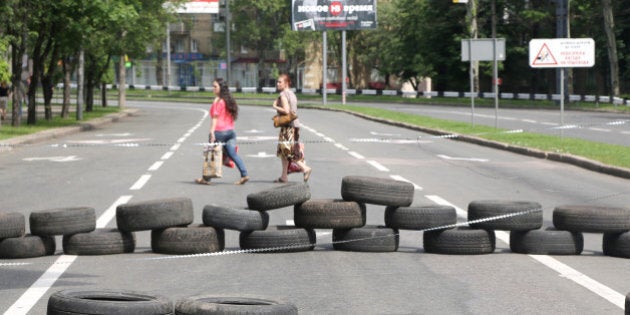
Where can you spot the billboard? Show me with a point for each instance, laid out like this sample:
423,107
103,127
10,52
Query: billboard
321,15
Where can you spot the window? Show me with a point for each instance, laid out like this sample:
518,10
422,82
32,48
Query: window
194,46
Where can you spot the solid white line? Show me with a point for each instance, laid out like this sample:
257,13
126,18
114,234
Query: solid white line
400,178
378,166
356,155
156,166
110,213
167,155
24,304
565,271
530,121
140,183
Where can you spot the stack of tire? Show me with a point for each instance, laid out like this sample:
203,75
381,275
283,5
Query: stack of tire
253,223
170,222
77,226
132,302
612,222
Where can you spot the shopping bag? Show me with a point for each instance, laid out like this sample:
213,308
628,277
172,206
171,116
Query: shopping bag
294,167
213,156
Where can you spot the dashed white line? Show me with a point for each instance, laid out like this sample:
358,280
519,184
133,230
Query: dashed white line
400,178
357,155
156,166
110,213
140,182
378,166
599,129
565,271
167,155
175,147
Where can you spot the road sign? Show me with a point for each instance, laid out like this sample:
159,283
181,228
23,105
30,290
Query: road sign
482,48
562,53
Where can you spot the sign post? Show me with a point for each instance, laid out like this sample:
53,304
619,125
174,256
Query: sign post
562,53
483,49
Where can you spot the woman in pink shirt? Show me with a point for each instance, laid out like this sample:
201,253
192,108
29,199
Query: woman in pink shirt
224,112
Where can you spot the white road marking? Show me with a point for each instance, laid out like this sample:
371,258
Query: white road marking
262,155
110,213
446,157
384,134
167,155
175,147
599,129
400,178
70,158
140,182
356,155
565,271
341,146
24,304
156,166
530,121
378,166
126,134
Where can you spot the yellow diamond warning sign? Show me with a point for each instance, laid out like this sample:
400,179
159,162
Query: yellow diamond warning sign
562,53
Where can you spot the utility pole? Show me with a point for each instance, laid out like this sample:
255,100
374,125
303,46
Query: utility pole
227,40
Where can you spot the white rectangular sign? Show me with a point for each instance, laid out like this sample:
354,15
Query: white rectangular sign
199,7
561,53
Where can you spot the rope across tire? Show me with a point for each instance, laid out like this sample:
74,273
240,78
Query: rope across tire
170,222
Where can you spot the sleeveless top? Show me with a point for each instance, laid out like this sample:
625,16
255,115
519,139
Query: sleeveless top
293,104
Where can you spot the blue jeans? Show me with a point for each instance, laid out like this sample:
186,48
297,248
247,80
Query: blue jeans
229,138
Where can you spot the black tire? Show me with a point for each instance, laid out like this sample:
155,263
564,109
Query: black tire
593,219
209,304
155,214
547,242
107,302
235,219
616,244
28,246
531,219
279,239
379,191
627,312
460,241
329,214
420,218
188,240
366,239
99,242
62,221
279,197
12,224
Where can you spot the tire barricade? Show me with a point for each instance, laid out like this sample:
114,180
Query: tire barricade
169,221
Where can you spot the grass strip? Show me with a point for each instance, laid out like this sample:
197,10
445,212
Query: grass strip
615,155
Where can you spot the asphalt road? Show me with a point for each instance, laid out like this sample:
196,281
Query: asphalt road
163,156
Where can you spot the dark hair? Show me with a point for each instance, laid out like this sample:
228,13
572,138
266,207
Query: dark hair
224,94
286,78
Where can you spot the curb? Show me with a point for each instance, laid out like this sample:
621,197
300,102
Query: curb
578,161
64,131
